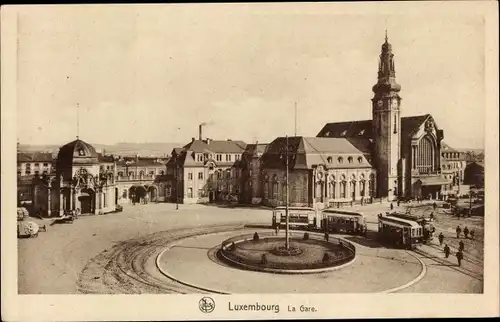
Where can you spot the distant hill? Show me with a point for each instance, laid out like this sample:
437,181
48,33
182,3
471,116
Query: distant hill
123,148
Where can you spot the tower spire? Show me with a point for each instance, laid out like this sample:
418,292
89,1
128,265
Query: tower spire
386,39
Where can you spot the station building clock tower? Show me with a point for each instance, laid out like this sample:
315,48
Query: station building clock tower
386,120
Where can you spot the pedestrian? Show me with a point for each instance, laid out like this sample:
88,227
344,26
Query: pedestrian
446,251
434,205
441,238
392,206
461,246
466,232
398,202
458,230
327,237
472,234
460,256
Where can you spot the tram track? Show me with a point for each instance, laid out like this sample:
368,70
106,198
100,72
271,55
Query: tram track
129,267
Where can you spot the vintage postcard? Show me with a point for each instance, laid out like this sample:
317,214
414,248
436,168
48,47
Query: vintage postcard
250,161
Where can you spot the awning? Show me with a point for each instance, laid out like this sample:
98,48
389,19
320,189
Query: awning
434,181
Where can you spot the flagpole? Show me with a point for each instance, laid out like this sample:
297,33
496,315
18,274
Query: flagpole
287,237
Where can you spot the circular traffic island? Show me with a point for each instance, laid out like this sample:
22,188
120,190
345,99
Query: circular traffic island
267,253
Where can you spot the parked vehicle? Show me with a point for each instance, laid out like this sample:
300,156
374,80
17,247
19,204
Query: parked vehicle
335,221
402,233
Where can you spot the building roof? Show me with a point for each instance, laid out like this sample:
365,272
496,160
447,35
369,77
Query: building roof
142,162
307,152
34,157
364,129
215,146
76,152
256,149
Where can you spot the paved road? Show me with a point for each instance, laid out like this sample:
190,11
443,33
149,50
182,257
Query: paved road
53,262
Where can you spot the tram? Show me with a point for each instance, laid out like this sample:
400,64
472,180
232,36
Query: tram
425,222
298,217
403,233
335,220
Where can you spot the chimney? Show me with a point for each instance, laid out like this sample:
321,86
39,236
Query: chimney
200,128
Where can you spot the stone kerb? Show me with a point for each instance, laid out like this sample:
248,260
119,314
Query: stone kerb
270,235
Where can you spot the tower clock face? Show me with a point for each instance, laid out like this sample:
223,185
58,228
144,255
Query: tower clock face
380,103
394,103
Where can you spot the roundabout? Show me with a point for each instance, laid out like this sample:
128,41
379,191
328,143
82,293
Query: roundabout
188,261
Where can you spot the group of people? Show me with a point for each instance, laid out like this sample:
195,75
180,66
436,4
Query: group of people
466,232
461,245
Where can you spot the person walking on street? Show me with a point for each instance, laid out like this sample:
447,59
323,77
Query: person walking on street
441,238
446,251
327,237
434,205
458,230
472,234
466,232
460,256
392,206
461,246
398,202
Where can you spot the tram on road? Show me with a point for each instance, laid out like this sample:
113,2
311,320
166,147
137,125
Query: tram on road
403,233
425,222
335,221
298,217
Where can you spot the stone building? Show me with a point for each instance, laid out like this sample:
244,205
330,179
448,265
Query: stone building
79,182
453,163
322,171
34,163
405,151
141,178
205,170
251,177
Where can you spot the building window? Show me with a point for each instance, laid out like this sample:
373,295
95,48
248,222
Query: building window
331,190
228,174
200,157
228,157
360,160
200,175
141,173
342,189
36,164
28,172
45,164
340,160
190,176
151,173
131,174
349,159
162,172
37,173
425,155
329,159
237,157
218,157
105,199
190,193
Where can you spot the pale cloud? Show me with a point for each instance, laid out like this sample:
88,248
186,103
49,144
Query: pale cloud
153,74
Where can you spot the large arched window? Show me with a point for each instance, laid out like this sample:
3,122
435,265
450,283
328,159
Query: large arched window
342,189
425,155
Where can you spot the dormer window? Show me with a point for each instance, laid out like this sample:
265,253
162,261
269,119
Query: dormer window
362,132
343,133
349,159
340,160
360,159
329,159
81,152
327,133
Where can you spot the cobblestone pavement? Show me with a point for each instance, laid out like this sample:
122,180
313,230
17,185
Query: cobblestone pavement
53,262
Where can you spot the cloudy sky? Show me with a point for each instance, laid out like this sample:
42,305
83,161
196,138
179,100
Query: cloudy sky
153,73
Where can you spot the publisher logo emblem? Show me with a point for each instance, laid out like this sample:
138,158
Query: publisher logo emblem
206,305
